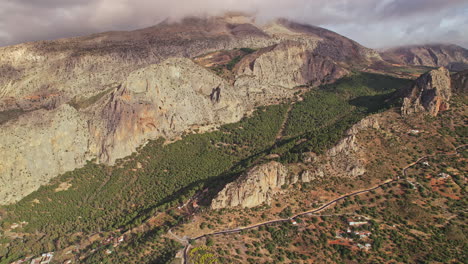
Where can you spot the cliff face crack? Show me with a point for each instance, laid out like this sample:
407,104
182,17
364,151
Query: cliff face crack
215,95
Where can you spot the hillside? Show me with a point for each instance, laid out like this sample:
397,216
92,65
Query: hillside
164,186
159,176
66,102
454,57
221,140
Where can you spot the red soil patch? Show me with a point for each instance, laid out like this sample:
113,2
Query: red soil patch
437,185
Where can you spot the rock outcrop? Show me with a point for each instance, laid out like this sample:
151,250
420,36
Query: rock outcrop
255,187
453,57
164,100
286,65
342,160
261,183
430,93
460,82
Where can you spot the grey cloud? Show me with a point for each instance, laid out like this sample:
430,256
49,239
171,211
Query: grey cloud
375,23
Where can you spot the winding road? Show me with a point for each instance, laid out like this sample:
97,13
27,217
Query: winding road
316,210
434,155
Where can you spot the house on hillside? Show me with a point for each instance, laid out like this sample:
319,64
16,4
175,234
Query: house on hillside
363,234
444,176
365,247
352,223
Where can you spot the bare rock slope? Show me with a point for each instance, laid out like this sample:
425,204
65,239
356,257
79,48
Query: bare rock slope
452,57
430,93
255,187
67,101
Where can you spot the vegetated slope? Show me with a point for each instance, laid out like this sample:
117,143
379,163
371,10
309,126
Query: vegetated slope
460,82
159,177
454,57
102,96
418,217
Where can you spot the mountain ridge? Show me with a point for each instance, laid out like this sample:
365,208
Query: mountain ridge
92,74
451,56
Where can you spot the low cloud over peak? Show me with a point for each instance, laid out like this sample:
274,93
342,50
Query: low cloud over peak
374,23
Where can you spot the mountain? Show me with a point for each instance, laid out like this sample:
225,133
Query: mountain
69,101
453,57
223,140
284,184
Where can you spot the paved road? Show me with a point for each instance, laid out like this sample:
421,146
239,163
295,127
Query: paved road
183,239
323,207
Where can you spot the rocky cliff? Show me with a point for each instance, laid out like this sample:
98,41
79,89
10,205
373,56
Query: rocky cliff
39,146
164,100
254,188
286,65
430,93
453,57
116,90
260,184
345,159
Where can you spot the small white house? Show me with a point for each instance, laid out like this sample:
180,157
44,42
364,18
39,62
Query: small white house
358,223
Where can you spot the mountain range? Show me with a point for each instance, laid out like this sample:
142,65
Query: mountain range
98,110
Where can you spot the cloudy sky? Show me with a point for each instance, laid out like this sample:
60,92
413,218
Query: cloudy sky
374,23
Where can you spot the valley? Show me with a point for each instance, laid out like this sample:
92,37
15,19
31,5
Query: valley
224,140
102,205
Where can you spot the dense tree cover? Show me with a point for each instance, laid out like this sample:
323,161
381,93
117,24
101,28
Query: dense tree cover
325,114
159,176
203,254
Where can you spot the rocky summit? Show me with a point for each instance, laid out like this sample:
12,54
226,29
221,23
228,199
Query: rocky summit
430,93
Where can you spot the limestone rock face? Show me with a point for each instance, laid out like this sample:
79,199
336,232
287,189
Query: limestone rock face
342,160
39,146
261,183
286,65
430,93
254,188
159,100
164,100
117,90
